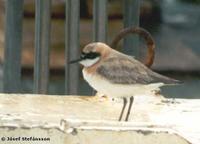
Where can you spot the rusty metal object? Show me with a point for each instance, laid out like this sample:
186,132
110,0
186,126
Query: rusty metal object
143,33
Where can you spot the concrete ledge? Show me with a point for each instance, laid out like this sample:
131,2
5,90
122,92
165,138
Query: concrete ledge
85,120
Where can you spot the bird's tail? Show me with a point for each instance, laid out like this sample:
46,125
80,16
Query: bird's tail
165,79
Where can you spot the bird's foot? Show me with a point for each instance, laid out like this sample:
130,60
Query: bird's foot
129,108
124,107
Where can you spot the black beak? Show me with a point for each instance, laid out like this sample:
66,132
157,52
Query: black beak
75,61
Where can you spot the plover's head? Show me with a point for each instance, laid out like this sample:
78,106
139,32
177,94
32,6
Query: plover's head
92,53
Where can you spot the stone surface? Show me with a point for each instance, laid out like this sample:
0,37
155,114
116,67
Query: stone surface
83,119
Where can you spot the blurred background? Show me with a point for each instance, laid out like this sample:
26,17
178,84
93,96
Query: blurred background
174,25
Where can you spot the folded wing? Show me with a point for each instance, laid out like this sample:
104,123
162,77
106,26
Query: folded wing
126,70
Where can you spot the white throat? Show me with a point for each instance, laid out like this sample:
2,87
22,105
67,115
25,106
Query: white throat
89,62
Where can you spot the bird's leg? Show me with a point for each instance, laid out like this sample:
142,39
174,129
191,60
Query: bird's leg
129,108
122,111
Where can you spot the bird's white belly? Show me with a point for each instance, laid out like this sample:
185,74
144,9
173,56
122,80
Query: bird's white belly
107,88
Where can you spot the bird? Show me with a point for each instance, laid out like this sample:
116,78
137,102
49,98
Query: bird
115,74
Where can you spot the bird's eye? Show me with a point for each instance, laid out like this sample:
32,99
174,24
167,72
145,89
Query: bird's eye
90,55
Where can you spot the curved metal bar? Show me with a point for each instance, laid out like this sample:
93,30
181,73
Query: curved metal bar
143,33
